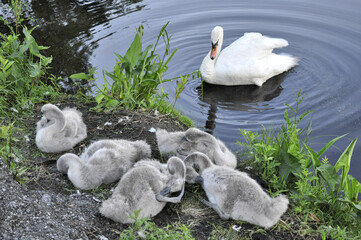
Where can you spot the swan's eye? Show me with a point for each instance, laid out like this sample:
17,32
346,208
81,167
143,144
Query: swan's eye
214,45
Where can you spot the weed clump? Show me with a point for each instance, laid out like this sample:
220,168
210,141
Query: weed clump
318,191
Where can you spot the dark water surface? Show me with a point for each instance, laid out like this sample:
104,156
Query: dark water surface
324,34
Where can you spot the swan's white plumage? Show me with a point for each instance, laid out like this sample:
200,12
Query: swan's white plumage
233,194
59,130
103,162
248,60
143,189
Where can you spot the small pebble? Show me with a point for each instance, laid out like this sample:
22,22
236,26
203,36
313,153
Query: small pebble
14,110
108,124
46,198
101,237
236,228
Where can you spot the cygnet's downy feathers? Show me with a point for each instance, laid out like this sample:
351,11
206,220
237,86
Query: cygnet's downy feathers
195,140
233,194
145,188
103,162
59,130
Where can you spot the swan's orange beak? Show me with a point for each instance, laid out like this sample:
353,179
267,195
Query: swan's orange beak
214,50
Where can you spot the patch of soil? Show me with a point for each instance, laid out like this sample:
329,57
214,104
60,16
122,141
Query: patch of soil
49,207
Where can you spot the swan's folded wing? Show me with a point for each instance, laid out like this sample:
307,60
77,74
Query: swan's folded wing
254,45
71,129
271,43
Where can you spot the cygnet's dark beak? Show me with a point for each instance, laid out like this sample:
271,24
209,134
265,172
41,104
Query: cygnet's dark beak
198,179
165,191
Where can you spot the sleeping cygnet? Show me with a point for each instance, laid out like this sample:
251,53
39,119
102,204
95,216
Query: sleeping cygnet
146,187
103,162
233,194
195,140
59,130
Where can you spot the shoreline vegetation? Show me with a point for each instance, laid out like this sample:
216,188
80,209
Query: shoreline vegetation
324,198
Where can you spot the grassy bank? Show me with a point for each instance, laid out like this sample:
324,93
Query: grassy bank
322,195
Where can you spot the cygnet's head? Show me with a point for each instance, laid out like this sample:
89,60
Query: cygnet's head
177,169
65,160
50,111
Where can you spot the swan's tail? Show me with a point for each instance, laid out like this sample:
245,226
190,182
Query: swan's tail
143,150
115,209
277,207
283,62
272,43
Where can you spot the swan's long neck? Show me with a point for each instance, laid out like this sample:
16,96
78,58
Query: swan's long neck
69,161
59,120
208,65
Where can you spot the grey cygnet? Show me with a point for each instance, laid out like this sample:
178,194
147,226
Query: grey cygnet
233,194
59,130
103,162
195,140
146,187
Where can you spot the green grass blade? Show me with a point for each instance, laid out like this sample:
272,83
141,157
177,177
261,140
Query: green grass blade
315,162
329,144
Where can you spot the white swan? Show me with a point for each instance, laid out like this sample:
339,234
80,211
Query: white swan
146,187
233,194
59,130
103,162
247,61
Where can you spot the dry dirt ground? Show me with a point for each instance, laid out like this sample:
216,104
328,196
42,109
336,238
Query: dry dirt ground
48,206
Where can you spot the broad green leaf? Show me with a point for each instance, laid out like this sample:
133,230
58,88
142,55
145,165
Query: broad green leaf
145,53
288,164
344,162
46,60
315,162
43,48
134,51
112,103
23,48
345,158
99,98
355,188
79,76
35,70
329,174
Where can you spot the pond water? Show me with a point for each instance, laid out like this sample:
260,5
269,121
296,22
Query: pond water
324,34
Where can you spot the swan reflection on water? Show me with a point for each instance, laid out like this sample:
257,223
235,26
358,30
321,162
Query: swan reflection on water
238,98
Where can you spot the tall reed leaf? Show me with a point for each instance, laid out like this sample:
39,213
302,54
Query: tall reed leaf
344,163
133,54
